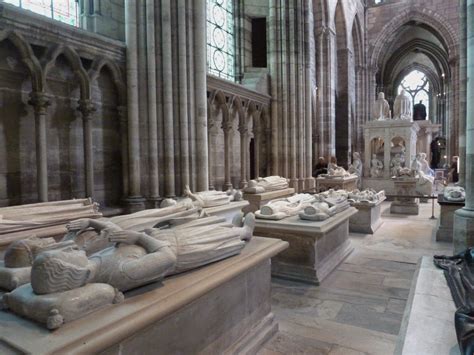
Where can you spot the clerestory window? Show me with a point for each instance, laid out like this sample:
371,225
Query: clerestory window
220,39
62,10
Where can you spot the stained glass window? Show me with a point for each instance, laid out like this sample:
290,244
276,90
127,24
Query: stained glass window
62,10
418,87
220,39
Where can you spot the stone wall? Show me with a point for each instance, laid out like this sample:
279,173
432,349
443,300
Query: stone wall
61,91
105,17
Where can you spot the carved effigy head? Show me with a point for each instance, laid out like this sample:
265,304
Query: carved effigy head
23,252
252,183
59,271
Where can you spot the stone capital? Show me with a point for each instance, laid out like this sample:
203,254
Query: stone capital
39,101
87,108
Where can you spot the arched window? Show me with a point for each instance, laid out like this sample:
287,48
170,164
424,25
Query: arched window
62,10
220,39
418,87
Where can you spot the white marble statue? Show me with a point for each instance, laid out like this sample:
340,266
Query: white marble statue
210,198
327,204
62,281
86,234
396,165
266,184
424,184
356,167
454,194
368,197
425,166
335,171
376,167
381,109
285,207
403,107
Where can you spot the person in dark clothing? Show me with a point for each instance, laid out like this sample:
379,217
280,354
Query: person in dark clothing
320,168
453,175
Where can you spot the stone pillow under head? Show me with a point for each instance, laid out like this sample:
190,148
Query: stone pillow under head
55,309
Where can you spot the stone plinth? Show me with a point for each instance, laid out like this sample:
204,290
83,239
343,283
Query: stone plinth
405,205
367,220
258,200
379,184
428,322
227,211
221,308
345,183
444,233
316,248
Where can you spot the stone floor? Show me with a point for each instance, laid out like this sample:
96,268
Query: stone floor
358,308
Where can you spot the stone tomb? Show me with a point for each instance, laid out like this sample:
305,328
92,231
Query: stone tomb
316,248
220,308
227,211
405,205
337,183
258,200
368,218
444,232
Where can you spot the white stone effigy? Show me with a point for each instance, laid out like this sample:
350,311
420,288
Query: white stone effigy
266,184
315,247
285,207
66,284
368,218
162,316
45,219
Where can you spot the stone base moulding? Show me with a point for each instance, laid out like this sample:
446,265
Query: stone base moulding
444,232
316,248
224,307
367,220
258,200
227,211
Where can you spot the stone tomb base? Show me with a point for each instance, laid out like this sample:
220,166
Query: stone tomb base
258,200
445,231
340,183
227,211
367,220
405,205
316,248
220,308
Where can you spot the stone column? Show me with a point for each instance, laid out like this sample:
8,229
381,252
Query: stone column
309,55
154,194
227,128
274,70
200,90
212,136
134,200
87,110
183,96
243,130
462,94
464,218
168,98
40,104
122,115
257,141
